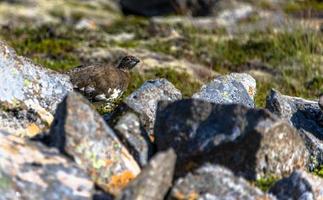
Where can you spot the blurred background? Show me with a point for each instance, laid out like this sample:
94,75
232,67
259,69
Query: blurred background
279,42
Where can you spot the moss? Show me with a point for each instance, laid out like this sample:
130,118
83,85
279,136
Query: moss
299,6
266,183
319,171
46,45
5,182
136,25
262,91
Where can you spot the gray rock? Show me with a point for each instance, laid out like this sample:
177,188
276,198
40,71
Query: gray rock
251,142
80,132
135,138
155,179
212,182
32,171
299,185
304,115
233,88
321,101
23,81
147,8
25,86
145,99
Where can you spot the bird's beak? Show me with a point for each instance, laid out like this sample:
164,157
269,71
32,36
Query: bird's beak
134,63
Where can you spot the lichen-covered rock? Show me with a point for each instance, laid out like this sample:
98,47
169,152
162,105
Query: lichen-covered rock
80,132
232,88
145,99
135,138
305,115
24,82
155,179
214,182
251,142
27,88
299,185
32,171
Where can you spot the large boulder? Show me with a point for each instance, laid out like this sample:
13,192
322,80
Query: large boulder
32,171
251,142
305,115
232,88
299,185
214,182
155,179
144,100
29,93
134,137
80,132
166,7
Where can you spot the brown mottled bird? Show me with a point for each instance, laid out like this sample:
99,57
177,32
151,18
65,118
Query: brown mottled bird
103,82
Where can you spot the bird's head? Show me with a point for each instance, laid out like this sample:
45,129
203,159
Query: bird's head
128,62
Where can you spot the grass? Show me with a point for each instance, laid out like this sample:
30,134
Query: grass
299,6
290,54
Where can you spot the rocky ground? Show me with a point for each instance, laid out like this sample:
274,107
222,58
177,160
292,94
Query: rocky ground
223,106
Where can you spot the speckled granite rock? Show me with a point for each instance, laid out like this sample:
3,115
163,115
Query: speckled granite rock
299,185
27,88
155,179
82,133
214,182
135,138
304,115
145,99
232,88
251,142
32,171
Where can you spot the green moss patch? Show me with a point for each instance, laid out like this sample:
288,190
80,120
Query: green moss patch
265,183
45,45
319,171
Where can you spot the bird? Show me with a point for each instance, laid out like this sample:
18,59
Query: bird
103,82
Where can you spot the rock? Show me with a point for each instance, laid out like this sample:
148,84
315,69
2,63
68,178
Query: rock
24,82
304,115
29,93
237,12
166,7
80,132
147,8
321,102
136,139
232,88
32,171
155,179
214,182
299,185
145,99
251,142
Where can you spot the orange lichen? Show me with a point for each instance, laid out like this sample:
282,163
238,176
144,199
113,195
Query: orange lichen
118,182
33,130
191,196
